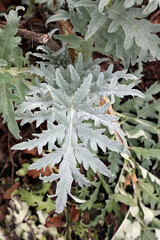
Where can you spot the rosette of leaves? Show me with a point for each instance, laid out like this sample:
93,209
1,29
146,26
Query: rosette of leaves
76,124
116,29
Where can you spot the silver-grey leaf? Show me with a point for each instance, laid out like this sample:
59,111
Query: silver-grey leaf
66,101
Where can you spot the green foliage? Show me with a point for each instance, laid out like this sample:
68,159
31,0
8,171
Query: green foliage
137,121
33,199
142,217
6,103
13,90
147,154
93,197
22,225
66,96
115,164
9,50
115,29
137,116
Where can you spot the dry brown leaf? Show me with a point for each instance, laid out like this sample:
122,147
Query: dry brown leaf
74,213
55,221
66,28
109,219
86,218
155,18
116,225
127,181
3,212
110,111
123,208
7,194
131,180
34,173
134,180
32,151
104,100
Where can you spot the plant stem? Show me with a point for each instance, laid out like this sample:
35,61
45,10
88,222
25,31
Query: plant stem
14,70
104,184
138,120
39,38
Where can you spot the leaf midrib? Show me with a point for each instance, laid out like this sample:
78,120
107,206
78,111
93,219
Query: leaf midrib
5,99
5,42
127,20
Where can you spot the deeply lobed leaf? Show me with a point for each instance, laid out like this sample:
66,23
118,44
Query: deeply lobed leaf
71,100
116,29
7,98
11,92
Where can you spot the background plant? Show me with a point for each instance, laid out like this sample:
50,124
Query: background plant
13,89
66,94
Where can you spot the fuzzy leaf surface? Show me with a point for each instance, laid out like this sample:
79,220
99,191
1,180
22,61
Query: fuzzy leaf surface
9,50
119,29
69,101
7,100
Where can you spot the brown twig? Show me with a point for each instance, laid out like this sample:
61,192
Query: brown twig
40,38
4,167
